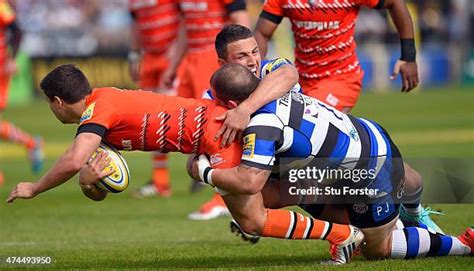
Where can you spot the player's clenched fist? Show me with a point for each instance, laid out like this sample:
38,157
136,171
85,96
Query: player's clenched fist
25,190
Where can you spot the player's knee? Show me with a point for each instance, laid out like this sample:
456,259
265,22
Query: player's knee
413,179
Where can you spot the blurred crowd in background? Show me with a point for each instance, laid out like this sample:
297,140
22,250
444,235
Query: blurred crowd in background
85,27
82,28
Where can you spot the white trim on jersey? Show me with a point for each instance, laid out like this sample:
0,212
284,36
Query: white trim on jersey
259,159
267,120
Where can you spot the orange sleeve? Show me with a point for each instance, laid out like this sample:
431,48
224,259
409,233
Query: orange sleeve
273,7
98,117
7,15
371,3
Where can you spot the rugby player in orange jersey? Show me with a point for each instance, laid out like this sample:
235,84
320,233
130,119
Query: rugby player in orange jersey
203,19
8,131
145,121
325,54
155,29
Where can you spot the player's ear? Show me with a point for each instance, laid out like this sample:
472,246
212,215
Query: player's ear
221,62
232,104
58,100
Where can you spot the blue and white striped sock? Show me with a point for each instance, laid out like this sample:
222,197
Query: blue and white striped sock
413,242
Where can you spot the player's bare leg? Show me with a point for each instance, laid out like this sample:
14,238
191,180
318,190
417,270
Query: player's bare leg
411,210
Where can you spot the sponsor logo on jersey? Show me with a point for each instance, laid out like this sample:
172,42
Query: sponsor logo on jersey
216,159
194,6
88,113
249,146
360,208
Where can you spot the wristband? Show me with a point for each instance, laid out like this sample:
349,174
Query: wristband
408,50
207,176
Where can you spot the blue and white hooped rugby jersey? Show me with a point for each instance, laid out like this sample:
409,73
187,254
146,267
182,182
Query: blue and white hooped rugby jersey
266,67
299,128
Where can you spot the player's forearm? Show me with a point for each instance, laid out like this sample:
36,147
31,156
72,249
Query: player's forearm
240,180
401,18
135,43
231,181
64,169
179,48
273,86
262,42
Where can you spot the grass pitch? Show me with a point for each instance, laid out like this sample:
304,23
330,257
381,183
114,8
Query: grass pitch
121,232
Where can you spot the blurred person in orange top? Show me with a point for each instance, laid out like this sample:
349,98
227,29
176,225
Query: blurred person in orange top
8,49
325,54
155,30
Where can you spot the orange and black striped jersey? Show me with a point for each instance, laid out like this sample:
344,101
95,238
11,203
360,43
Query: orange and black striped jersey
205,18
323,31
157,23
146,121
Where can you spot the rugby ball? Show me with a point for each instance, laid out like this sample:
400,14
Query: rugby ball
119,180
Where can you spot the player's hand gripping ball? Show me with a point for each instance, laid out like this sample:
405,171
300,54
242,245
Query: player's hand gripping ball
119,180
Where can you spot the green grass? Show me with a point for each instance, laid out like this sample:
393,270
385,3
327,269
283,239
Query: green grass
121,232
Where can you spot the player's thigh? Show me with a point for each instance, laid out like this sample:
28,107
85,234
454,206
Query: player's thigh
248,211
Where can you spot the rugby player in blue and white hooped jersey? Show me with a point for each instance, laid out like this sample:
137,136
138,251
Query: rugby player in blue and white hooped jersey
306,131
236,44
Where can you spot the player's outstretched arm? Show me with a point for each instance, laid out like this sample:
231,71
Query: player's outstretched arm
91,173
263,33
273,86
406,66
242,179
175,55
66,167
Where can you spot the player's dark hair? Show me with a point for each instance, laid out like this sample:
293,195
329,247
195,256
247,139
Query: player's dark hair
66,82
230,33
233,82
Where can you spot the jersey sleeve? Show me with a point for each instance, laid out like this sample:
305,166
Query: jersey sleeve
7,15
97,118
273,11
234,5
377,4
261,140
